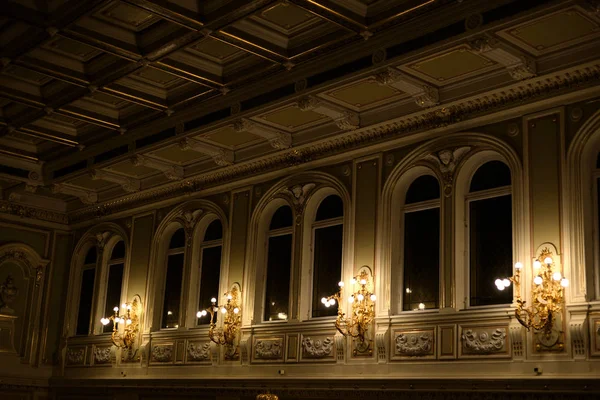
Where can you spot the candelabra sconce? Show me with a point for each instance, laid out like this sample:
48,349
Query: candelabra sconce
356,325
547,295
232,320
125,326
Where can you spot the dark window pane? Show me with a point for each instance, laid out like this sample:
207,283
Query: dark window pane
90,257
178,239
490,175
331,207
425,187
278,277
113,292
214,231
598,203
172,302
598,161
327,267
490,248
421,259
118,251
209,279
282,218
85,302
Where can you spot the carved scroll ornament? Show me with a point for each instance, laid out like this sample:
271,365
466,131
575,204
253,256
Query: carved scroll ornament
415,344
199,351
484,343
268,349
317,348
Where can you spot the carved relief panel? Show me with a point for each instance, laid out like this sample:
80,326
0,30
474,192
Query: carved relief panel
198,352
161,353
317,347
491,341
268,349
413,344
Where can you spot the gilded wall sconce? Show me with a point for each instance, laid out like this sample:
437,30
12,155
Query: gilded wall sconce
547,295
227,335
125,326
355,325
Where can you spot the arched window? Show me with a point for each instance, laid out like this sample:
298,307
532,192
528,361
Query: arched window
596,235
279,262
116,266
490,233
174,280
327,245
421,244
210,267
86,292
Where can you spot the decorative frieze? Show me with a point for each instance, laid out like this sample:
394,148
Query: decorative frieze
483,342
317,348
102,355
268,349
75,355
198,351
86,196
162,353
414,344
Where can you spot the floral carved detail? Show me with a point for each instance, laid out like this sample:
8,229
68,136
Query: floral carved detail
199,351
415,344
188,219
162,353
317,348
101,355
484,343
298,194
75,356
269,349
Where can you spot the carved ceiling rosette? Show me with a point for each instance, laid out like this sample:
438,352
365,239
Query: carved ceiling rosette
445,162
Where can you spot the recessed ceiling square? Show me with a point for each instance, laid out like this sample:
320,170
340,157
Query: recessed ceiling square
87,182
363,93
156,77
454,64
215,48
127,168
555,29
286,15
72,48
26,75
128,16
292,117
230,137
174,154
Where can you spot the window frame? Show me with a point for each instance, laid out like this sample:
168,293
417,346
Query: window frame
107,252
165,264
595,175
82,268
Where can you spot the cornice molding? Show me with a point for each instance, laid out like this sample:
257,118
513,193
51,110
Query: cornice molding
7,207
534,89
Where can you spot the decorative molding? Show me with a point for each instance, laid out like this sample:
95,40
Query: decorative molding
86,196
445,162
199,351
162,353
278,140
423,94
171,171
15,255
220,156
414,344
516,339
317,348
188,219
75,356
130,185
339,347
298,194
102,355
520,93
484,343
244,345
519,66
381,335
344,119
577,331
268,349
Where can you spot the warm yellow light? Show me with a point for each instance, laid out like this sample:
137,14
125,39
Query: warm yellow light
236,310
353,281
223,310
213,300
351,299
548,260
324,300
199,314
556,276
229,297
341,284
564,282
373,297
360,297
363,281
538,280
128,322
537,265
421,306
116,309
518,266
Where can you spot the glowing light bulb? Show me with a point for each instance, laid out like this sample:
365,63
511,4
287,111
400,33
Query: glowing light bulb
341,284
518,266
498,282
421,306
538,280
229,297
169,312
506,282
116,309
104,321
123,305
203,313
331,302
556,276
351,299
360,297
363,281
199,314
128,322
353,281
564,282
223,310
408,290
213,300
537,265
129,306
324,300
236,310
326,305
373,297
548,260
500,287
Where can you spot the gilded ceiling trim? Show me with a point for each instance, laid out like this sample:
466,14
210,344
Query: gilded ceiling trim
518,94
7,207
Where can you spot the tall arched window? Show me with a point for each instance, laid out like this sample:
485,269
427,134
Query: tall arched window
279,263
174,280
596,235
86,292
421,244
489,216
327,245
210,267
116,266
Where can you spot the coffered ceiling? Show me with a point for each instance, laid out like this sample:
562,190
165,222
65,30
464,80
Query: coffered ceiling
102,98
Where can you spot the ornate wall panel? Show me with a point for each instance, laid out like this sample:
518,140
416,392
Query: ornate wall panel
490,341
413,344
